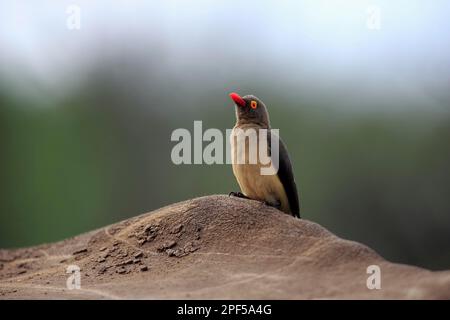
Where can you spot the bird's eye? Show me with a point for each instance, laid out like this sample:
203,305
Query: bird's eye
253,104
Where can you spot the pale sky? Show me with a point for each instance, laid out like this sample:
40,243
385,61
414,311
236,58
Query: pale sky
326,45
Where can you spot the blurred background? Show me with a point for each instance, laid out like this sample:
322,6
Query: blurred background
90,92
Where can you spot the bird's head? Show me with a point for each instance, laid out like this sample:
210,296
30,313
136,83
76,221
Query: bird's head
250,109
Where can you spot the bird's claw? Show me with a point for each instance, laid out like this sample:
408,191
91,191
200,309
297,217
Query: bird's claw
238,195
276,205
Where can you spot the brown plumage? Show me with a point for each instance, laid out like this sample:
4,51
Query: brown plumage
278,190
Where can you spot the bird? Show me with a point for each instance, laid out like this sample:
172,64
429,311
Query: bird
278,190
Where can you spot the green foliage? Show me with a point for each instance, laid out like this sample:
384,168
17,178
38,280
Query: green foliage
103,154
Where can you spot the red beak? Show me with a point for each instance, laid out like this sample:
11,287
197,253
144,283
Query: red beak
237,99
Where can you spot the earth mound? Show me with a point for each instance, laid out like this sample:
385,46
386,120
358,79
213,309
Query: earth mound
214,247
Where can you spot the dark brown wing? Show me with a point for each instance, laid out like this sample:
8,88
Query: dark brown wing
286,176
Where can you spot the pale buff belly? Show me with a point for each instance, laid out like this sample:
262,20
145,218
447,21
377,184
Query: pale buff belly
256,186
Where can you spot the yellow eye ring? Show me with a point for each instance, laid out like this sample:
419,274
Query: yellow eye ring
253,104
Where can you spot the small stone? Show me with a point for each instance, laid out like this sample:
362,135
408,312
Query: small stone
80,251
167,245
139,254
121,270
151,228
193,249
103,248
136,261
170,244
190,247
177,229
170,252
102,270
144,268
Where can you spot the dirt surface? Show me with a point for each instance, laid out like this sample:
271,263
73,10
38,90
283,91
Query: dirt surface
212,247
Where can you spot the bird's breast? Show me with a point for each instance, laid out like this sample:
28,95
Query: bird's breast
253,184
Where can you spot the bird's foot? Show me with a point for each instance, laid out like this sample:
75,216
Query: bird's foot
276,205
238,195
